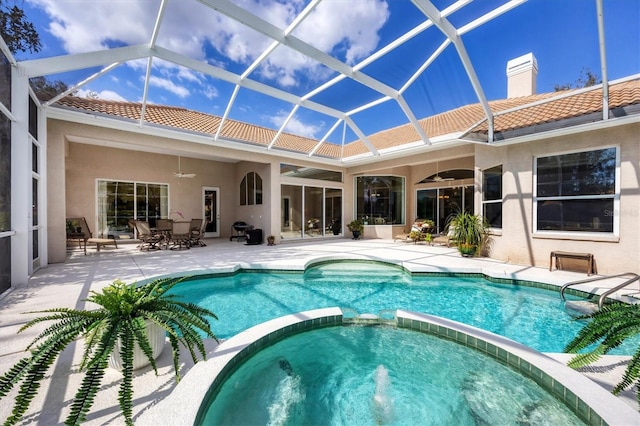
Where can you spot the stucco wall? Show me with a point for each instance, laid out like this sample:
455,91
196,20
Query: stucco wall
518,244
75,167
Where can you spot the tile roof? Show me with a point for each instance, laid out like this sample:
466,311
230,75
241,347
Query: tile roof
469,119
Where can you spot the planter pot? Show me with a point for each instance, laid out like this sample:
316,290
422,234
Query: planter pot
336,232
467,250
271,241
157,336
356,234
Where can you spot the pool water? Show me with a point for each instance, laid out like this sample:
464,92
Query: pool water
531,316
379,375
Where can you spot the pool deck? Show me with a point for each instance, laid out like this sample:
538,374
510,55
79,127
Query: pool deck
66,285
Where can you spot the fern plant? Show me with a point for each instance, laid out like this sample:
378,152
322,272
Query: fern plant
607,329
123,310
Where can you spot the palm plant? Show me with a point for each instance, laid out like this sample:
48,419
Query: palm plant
122,317
608,328
469,231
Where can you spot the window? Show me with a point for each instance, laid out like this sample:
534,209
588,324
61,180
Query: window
119,202
492,196
251,189
576,192
380,200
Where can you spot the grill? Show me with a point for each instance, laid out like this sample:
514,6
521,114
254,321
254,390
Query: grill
239,231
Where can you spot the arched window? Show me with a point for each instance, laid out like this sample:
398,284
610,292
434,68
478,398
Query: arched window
251,189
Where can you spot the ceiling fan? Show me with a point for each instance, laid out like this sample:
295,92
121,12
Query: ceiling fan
437,177
179,173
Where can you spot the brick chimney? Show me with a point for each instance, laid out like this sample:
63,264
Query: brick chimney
521,76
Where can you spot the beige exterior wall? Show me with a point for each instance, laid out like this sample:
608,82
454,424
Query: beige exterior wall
74,169
75,166
518,244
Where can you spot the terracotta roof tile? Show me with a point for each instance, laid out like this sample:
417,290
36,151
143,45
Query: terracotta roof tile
574,105
546,108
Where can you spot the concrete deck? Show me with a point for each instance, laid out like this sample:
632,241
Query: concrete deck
66,285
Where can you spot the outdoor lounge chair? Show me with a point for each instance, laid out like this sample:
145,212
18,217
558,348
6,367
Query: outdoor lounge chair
446,239
149,239
403,237
78,230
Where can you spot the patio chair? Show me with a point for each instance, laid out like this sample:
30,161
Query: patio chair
164,227
180,235
197,232
149,239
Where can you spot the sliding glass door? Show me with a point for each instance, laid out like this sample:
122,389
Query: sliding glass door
120,202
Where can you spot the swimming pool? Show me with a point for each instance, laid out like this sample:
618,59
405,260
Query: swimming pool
188,403
379,375
532,316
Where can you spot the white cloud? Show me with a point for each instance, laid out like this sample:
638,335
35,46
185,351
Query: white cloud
347,29
294,125
84,27
107,95
210,92
169,85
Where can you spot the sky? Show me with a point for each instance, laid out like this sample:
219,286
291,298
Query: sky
562,35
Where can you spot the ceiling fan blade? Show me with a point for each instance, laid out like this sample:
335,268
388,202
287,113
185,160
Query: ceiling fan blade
184,175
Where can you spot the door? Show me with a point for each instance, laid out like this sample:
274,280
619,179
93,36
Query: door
211,211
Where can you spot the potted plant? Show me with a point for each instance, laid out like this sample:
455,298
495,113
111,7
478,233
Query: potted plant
469,231
124,316
416,236
271,240
428,237
356,227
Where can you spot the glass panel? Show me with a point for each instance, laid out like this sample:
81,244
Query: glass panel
5,263
313,197
34,202
34,158
5,81
154,202
468,199
211,211
333,210
115,208
36,251
291,170
450,204
427,205
492,183
243,191
576,215
142,205
258,189
33,119
251,188
5,175
581,173
493,214
380,199
291,212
